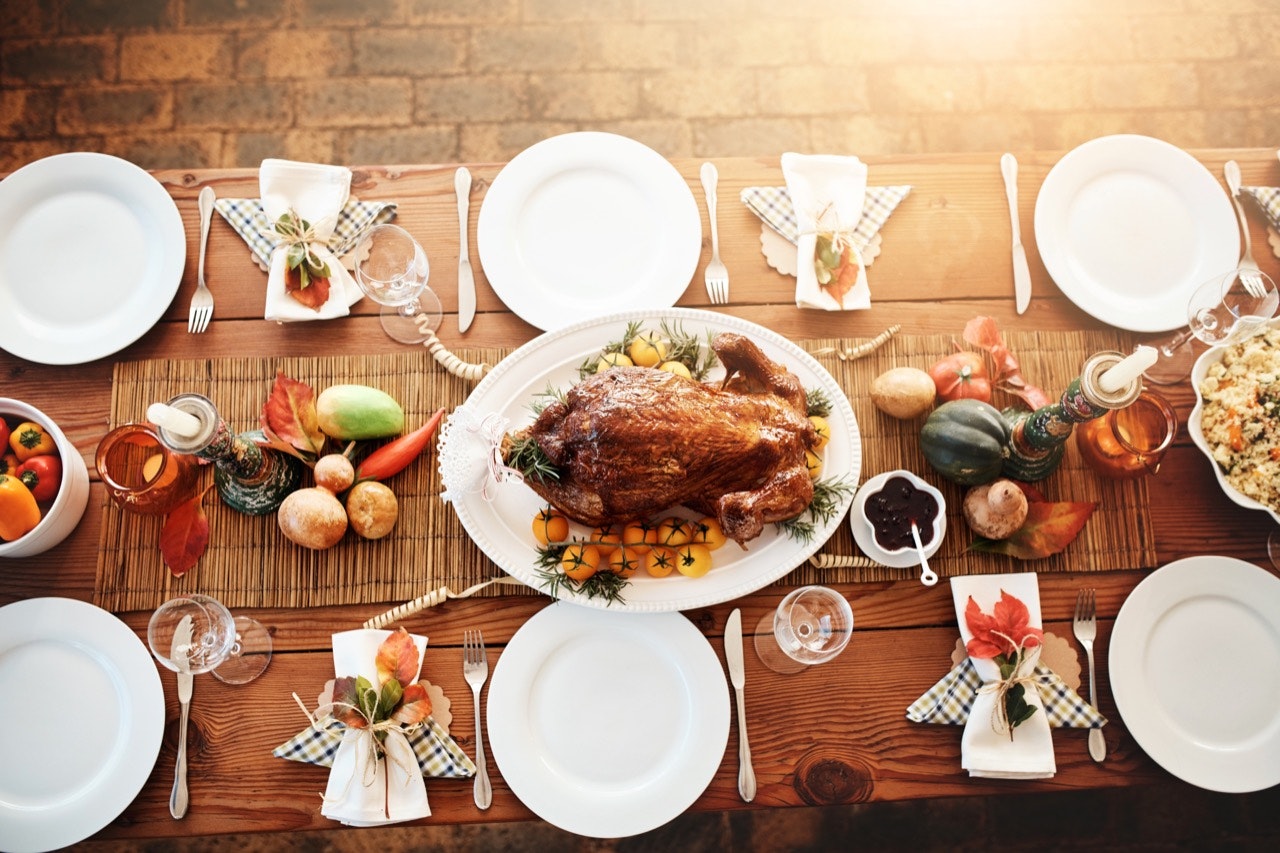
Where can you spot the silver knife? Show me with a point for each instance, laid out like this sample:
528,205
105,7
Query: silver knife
738,677
179,653
466,281
1021,275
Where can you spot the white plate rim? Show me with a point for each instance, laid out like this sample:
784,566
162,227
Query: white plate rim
676,212
1195,428
1220,241
1238,771
633,811
110,640
770,556
58,173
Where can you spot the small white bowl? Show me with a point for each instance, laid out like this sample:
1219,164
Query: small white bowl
864,534
73,495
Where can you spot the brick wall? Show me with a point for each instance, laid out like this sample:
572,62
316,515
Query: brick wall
187,83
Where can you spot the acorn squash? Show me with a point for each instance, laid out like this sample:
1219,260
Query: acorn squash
966,441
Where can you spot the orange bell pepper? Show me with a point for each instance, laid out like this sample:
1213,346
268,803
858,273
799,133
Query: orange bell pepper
19,513
30,439
9,464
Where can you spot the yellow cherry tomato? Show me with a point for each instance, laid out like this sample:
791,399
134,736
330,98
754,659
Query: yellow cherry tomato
673,531
606,539
612,359
677,368
707,531
638,536
549,526
823,429
647,349
624,562
659,561
693,561
580,561
813,462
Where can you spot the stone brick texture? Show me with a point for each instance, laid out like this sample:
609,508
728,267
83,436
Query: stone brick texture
227,82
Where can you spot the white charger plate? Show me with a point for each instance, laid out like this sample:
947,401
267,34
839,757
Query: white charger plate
588,223
91,254
607,726
1129,225
83,721
501,526
1195,671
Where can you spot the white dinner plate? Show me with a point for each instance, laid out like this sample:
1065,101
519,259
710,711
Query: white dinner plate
501,526
91,253
585,224
1195,671
83,720
605,725
1128,226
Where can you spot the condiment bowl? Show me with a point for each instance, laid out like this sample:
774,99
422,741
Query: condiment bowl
62,516
864,531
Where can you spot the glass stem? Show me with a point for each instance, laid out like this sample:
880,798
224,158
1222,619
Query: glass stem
1177,342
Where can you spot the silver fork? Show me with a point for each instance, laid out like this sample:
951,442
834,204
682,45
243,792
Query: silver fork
475,669
201,310
1085,627
717,274
1249,267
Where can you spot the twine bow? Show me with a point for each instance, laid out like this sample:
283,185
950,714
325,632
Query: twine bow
382,739
1000,713
298,238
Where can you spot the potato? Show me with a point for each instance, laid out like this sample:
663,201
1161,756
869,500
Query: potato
312,518
373,509
903,392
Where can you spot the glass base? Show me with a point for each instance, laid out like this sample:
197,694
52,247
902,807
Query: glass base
414,323
770,653
250,656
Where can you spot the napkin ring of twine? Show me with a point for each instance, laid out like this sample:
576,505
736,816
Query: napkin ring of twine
299,240
1022,674
373,744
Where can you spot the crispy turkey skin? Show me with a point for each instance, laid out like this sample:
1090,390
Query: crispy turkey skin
633,441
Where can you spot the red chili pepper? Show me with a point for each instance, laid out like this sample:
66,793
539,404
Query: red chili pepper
394,456
42,475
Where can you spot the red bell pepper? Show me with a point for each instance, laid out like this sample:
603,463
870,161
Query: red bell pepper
394,456
4,433
42,475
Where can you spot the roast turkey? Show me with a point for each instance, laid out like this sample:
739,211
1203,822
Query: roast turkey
631,442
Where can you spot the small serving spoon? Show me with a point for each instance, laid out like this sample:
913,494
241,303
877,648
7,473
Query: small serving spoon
927,576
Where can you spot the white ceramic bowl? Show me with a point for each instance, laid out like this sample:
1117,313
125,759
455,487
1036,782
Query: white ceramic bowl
1198,372
864,533
68,506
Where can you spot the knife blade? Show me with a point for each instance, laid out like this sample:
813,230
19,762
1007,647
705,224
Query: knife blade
179,654
738,677
466,281
1021,274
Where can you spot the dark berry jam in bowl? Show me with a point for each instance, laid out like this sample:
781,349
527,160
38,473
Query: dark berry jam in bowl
888,504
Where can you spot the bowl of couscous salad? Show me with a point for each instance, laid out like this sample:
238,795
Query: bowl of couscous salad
1236,419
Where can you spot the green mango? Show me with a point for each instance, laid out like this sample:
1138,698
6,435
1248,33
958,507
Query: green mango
356,412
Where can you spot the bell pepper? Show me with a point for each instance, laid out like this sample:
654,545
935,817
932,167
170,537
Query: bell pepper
42,475
19,513
30,439
4,433
394,456
9,464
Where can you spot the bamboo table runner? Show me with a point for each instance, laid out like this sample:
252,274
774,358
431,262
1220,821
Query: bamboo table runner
249,563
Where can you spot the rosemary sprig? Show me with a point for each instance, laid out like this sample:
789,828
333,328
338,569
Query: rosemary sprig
603,584
691,351
528,457
828,494
548,395
817,403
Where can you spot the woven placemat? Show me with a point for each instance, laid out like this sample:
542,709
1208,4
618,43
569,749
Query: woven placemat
250,564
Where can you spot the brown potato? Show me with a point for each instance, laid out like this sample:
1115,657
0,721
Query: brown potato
903,392
372,508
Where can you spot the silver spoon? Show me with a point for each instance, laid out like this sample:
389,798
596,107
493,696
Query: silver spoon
927,576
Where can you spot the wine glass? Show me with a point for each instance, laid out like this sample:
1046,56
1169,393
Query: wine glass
235,649
1224,309
812,625
392,270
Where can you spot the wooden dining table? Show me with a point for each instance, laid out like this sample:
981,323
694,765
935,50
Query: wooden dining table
834,734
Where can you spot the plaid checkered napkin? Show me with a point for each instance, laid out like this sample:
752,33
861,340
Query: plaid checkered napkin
1268,201
773,205
249,220
438,754
949,701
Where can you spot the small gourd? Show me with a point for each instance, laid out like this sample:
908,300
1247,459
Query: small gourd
966,441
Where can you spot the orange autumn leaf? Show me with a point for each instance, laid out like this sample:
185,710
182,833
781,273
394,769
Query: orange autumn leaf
346,703
289,419
185,535
845,276
1050,527
1002,632
1007,372
314,293
415,705
398,658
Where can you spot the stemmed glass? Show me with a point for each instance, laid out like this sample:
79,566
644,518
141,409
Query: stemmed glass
392,270
235,649
812,625
1224,309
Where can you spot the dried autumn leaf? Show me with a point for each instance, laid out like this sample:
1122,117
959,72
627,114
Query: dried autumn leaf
1007,373
415,705
398,658
1050,527
346,703
185,535
289,416
311,292
1001,632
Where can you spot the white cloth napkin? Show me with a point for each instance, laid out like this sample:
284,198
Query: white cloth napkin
347,798
828,192
984,751
317,193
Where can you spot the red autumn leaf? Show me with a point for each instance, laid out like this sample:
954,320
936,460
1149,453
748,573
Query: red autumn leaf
314,295
185,535
1007,374
346,703
398,658
289,417
415,705
1050,527
1004,631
